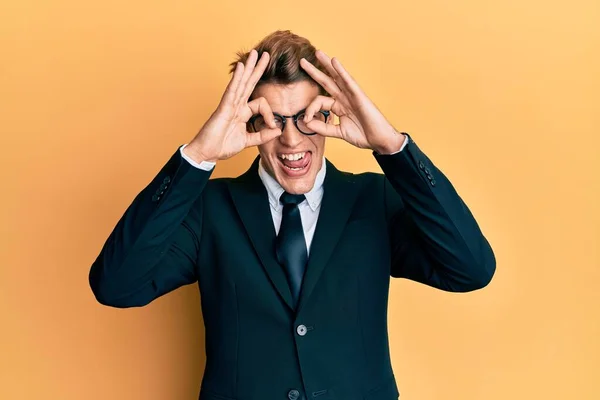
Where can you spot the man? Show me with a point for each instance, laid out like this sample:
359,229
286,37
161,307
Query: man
294,257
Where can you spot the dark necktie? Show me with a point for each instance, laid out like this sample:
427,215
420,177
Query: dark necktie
291,246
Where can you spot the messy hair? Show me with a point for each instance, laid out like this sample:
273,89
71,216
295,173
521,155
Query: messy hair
285,50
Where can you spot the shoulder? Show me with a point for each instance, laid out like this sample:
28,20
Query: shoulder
363,180
367,185
216,187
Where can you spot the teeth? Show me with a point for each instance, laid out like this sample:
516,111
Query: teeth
293,157
293,169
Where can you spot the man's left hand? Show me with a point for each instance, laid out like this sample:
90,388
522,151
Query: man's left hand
361,123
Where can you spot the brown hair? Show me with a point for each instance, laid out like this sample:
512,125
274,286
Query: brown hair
285,50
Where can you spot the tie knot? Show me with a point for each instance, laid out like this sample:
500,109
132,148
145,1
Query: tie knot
295,199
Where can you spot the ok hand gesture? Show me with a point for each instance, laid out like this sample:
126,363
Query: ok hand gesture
225,134
361,123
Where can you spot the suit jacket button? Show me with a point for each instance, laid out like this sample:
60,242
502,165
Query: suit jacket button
433,182
293,394
155,198
301,330
421,165
167,180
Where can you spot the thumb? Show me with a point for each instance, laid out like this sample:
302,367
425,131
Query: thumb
261,137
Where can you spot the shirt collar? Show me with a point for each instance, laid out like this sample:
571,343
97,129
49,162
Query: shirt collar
274,189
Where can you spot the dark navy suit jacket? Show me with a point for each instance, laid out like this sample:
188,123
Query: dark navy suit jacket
183,228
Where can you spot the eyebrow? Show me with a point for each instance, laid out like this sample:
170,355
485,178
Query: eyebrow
304,109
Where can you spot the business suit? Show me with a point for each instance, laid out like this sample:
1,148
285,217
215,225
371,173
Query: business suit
184,227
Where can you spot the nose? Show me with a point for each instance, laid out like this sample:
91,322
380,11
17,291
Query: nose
291,136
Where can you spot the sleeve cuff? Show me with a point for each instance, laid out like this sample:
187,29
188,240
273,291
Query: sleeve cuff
204,165
406,140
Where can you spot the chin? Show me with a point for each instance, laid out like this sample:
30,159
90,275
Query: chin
298,187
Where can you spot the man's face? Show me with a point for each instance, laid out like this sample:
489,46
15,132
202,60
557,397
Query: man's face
295,176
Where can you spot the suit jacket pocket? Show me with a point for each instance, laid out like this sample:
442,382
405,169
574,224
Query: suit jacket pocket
386,391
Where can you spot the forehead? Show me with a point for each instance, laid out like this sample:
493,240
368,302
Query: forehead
287,99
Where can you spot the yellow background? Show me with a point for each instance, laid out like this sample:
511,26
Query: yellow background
503,96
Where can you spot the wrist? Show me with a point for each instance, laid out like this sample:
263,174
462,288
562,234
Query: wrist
198,153
392,146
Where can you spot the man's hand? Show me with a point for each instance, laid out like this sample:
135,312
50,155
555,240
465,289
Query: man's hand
224,134
361,123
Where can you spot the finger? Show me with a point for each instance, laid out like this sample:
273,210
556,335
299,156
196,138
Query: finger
319,103
264,136
337,71
231,88
325,129
256,75
248,68
349,82
321,78
262,107
245,114
326,62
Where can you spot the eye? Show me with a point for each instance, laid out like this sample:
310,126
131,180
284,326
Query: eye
318,115
260,123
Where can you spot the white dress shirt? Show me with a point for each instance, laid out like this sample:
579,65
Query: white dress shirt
309,209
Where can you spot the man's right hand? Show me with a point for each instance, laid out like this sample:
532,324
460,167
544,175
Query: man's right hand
224,134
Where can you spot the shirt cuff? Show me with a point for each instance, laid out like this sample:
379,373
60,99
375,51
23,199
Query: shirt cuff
403,145
205,165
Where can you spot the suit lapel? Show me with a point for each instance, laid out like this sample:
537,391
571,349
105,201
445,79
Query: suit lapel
252,203
338,200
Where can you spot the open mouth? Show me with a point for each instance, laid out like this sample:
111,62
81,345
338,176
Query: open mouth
296,164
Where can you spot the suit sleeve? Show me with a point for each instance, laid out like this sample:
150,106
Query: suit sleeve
153,248
434,237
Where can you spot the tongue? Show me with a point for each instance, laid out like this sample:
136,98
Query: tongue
301,163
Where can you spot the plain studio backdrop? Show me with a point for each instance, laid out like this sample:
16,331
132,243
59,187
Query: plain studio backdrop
503,96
